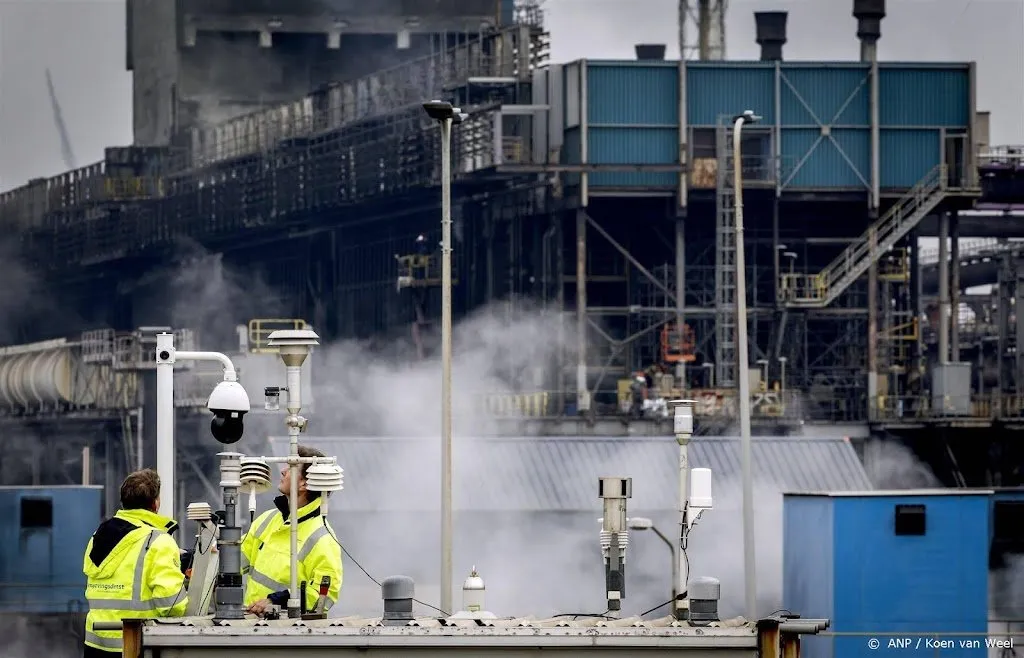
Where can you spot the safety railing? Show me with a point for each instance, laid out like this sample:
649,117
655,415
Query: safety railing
819,290
918,408
974,248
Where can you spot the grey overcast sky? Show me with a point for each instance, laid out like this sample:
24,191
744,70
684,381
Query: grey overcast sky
82,43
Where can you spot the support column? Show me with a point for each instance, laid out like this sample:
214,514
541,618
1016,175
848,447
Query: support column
681,293
582,393
917,308
873,323
944,288
954,288
1003,309
1018,302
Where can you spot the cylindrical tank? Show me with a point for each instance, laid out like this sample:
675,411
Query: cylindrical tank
47,376
473,592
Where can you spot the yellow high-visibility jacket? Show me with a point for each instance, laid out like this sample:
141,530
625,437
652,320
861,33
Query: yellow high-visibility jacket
267,545
133,571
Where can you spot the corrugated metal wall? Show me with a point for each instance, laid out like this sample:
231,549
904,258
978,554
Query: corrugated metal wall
825,123
632,117
43,540
818,112
886,575
722,88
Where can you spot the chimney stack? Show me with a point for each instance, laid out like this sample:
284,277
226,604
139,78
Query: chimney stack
869,15
650,52
771,34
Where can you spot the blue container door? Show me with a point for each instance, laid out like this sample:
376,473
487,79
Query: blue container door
35,549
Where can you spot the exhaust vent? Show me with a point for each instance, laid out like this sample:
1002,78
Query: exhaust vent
650,51
771,34
869,15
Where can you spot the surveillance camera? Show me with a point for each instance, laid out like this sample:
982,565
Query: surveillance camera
229,403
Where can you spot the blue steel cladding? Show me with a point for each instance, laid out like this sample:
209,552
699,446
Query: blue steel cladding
41,558
886,584
716,89
633,117
824,117
907,155
919,96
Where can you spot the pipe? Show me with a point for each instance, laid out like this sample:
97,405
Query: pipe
446,364
954,288
770,28
229,368
165,420
86,466
944,314
743,380
582,394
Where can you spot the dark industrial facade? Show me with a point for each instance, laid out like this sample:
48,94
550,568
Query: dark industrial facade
601,191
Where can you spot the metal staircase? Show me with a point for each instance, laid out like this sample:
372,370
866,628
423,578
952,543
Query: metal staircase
820,290
725,260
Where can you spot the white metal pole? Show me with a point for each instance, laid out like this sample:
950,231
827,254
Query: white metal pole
446,365
294,406
165,421
743,377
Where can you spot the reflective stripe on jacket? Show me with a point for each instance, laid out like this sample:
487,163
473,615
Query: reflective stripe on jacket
267,545
133,571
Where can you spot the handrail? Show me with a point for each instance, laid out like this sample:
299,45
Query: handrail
853,261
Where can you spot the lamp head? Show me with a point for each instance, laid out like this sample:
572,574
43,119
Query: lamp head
748,116
443,110
639,523
293,344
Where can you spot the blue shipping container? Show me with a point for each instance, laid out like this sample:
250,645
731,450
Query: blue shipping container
42,542
889,568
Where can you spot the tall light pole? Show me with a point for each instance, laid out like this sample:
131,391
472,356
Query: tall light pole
447,115
743,374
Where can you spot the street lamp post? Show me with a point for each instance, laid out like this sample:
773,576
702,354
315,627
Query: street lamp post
641,523
446,115
743,367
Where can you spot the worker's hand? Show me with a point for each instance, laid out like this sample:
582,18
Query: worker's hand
260,608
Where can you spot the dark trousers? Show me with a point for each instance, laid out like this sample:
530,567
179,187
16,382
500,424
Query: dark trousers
93,652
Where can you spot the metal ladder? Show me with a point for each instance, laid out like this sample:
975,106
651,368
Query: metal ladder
820,290
725,260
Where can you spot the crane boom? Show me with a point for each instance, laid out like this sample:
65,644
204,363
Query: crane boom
62,131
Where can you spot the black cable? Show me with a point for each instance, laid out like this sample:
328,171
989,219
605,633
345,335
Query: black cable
660,605
375,581
574,615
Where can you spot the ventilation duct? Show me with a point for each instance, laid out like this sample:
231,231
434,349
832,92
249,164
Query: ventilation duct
649,52
771,34
869,15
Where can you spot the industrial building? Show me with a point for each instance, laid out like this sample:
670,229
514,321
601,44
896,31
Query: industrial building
598,194
322,198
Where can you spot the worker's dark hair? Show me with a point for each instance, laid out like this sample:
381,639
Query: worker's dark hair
305,451
140,489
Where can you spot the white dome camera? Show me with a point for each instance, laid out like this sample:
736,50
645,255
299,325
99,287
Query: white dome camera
229,403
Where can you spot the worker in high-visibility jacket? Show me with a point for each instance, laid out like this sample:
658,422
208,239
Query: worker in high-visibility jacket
267,545
132,566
